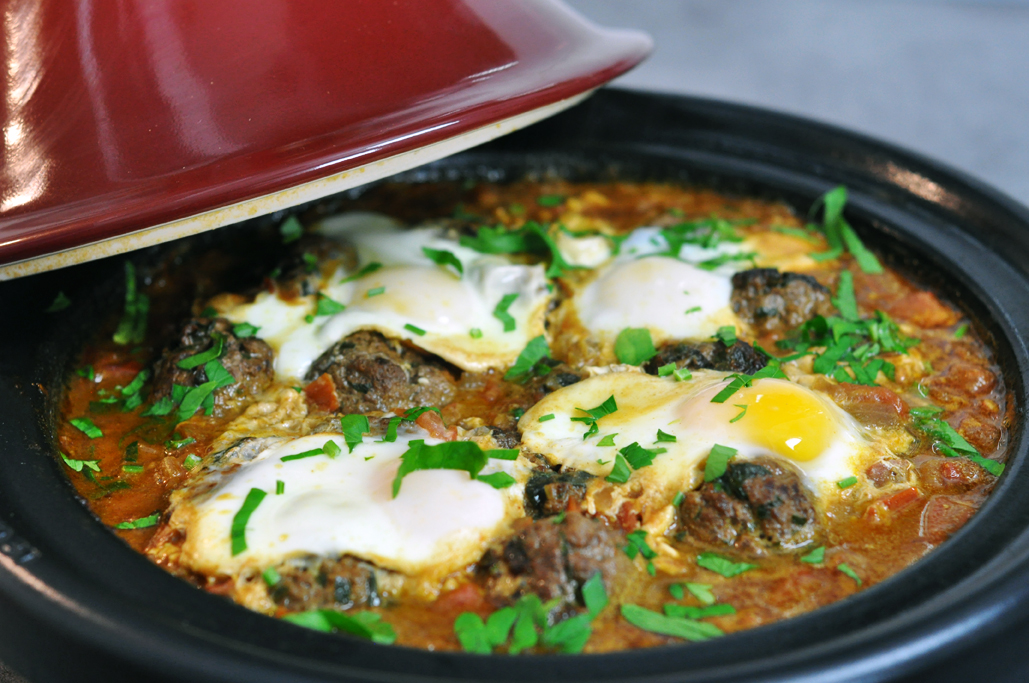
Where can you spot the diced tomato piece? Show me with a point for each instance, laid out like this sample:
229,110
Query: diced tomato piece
431,422
876,406
322,393
901,499
465,598
923,309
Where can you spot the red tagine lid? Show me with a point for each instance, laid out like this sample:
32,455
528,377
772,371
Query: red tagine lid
129,124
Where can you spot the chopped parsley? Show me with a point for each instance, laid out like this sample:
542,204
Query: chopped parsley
280,487
663,437
498,480
414,330
132,328
702,592
87,373
176,444
795,232
326,306
845,568
368,269
501,314
191,461
739,381
840,235
310,262
238,532
593,414
847,483
722,259
141,523
546,418
367,625
270,576
354,427
949,442
331,449
680,497
594,595
676,591
77,465
707,233
726,334
86,426
244,330
291,230
409,416
638,546
475,333
61,302
444,258
816,556
530,238
550,200
374,291
689,612
300,456
844,301
655,622
739,416
961,331
132,469
666,370
639,457
450,455
620,472
717,462
199,359
692,309
634,346
607,441
528,360
723,566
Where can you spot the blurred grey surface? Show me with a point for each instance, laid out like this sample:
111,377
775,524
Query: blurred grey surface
946,79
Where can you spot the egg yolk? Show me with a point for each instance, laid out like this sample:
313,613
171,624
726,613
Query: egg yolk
784,418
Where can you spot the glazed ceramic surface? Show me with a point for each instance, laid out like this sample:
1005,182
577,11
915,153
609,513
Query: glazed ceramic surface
119,117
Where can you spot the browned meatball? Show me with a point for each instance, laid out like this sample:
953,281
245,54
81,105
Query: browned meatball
777,302
715,355
552,560
325,584
756,507
371,372
249,360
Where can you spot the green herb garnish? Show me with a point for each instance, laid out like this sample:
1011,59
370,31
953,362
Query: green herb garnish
816,556
593,414
367,625
77,465
132,328
414,330
210,354
291,230
244,330
723,566
847,483
354,427
528,360
501,314
702,592
238,532
845,568
61,302
450,455
443,258
717,462
656,622
374,291
141,523
634,346
86,426
366,270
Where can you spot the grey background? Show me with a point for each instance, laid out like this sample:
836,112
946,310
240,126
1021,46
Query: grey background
947,79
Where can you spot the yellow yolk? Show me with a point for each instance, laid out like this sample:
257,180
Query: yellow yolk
784,418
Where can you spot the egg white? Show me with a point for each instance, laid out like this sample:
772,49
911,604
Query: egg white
416,292
440,521
684,410
670,296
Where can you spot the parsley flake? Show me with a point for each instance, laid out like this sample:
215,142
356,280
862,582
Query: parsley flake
414,330
61,302
368,269
501,314
816,556
723,566
238,531
86,426
444,258
717,462
845,569
291,230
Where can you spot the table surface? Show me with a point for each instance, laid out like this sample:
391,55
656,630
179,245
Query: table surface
947,79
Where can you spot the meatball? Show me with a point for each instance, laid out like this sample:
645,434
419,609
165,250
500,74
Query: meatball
371,372
552,560
715,355
301,267
550,493
756,507
249,360
777,302
325,584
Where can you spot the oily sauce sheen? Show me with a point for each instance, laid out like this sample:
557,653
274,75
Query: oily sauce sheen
902,505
